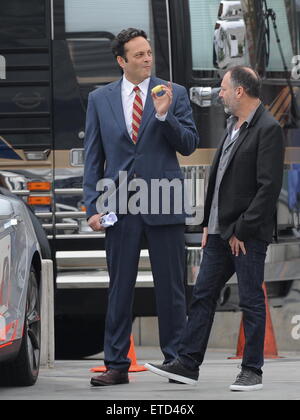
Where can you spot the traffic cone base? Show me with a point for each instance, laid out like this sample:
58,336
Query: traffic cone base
270,347
134,366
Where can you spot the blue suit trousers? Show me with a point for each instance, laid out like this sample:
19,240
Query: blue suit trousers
167,257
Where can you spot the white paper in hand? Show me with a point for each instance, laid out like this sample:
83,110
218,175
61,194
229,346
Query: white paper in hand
109,219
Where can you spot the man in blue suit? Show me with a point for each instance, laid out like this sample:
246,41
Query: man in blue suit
130,129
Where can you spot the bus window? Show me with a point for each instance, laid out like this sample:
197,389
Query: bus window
220,42
106,15
203,15
218,35
93,61
90,28
275,61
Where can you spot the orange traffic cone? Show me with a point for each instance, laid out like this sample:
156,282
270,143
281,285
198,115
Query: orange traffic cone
134,367
270,347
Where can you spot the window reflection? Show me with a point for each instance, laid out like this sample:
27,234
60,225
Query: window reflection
93,61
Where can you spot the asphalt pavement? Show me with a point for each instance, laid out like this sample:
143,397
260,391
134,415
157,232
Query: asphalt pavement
70,380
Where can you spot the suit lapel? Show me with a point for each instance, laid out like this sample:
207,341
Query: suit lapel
218,153
237,144
115,99
244,133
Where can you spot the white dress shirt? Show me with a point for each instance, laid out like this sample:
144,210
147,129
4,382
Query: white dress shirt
128,96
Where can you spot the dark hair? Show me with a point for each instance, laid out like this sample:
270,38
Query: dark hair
247,78
123,37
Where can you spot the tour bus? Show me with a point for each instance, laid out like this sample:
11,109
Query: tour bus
53,53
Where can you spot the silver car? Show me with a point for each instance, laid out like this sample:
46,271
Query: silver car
20,278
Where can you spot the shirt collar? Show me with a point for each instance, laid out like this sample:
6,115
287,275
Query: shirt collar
231,121
128,86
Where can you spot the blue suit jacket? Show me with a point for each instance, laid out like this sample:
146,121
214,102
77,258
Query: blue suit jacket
109,148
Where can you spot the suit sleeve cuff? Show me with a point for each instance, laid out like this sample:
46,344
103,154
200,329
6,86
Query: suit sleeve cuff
161,117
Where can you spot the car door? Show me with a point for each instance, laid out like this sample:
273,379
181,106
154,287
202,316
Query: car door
13,269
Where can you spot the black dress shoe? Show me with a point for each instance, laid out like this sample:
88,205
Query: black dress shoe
111,377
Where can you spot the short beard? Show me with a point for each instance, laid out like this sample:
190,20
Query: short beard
227,110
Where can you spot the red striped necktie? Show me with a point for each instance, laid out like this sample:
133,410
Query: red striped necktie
137,113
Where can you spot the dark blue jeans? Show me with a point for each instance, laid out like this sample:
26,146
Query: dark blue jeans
217,266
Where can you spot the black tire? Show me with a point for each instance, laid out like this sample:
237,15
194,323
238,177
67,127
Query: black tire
24,369
41,235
